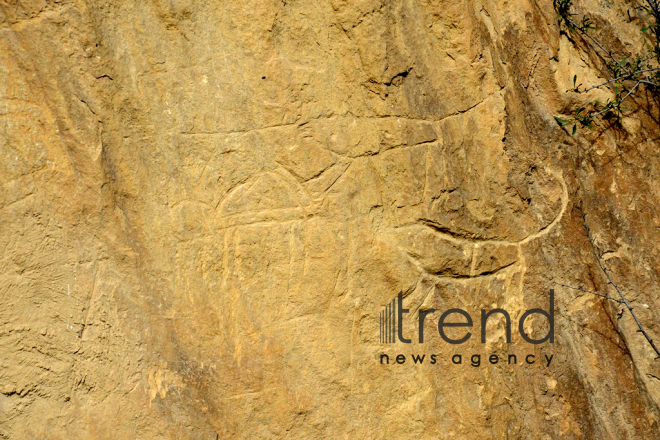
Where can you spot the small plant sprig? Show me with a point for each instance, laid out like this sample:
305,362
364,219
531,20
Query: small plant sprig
627,74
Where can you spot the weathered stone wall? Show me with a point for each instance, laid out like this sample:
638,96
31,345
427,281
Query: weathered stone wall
206,204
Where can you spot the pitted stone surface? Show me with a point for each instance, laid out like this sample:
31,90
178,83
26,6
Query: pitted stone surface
206,205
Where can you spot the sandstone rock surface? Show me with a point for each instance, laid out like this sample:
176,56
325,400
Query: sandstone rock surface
205,206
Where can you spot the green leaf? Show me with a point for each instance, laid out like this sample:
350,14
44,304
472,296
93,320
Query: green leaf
574,80
561,121
574,128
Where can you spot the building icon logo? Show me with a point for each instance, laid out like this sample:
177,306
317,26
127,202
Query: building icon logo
388,323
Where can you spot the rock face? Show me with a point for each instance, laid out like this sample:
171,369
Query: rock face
206,205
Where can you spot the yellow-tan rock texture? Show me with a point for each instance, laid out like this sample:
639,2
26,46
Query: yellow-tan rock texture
205,206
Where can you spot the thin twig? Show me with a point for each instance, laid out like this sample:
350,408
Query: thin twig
589,291
586,34
653,4
606,109
628,76
651,83
611,281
